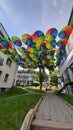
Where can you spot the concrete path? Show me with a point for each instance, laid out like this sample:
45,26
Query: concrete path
54,109
53,114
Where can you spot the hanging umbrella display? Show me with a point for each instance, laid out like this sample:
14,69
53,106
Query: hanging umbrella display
1,46
27,39
12,51
51,34
65,32
6,43
49,46
39,50
22,50
10,56
17,42
62,43
5,51
38,37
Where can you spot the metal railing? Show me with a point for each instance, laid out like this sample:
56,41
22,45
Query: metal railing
64,87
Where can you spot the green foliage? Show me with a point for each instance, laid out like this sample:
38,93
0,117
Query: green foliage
13,110
36,89
42,75
53,79
32,71
37,77
35,84
67,97
13,92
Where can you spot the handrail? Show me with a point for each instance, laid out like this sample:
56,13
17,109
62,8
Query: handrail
64,87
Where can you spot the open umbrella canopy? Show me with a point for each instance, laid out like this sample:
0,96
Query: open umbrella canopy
6,43
51,34
38,37
1,46
27,39
16,41
62,43
5,51
37,50
65,32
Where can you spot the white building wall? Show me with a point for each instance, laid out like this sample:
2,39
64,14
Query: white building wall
69,60
23,77
70,74
66,69
11,70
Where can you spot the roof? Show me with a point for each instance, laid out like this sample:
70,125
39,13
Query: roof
70,16
4,30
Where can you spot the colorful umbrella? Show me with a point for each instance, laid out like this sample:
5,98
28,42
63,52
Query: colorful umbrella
30,49
27,39
65,32
11,56
1,46
5,51
40,51
49,46
63,51
51,34
62,43
17,42
22,50
6,43
38,37
12,51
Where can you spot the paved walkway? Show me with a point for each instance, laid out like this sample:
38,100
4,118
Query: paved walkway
52,108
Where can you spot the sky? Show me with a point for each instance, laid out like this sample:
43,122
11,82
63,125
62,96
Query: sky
27,16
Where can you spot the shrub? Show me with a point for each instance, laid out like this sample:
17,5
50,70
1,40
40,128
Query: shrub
35,84
53,79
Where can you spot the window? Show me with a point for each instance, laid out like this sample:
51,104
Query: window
2,89
69,46
0,72
8,62
6,77
1,36
1,61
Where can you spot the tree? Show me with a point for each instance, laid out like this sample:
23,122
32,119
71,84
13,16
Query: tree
37,77
41,77
53,79
31,70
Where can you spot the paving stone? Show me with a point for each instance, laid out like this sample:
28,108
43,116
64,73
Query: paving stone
54,109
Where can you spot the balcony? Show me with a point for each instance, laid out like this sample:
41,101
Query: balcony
1,61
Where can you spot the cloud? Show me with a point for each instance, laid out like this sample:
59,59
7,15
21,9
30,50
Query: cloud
61,12
8,12
5,9
55,3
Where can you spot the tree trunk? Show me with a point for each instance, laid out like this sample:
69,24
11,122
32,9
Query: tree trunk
40,78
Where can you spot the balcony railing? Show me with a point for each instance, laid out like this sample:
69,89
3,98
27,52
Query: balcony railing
1,62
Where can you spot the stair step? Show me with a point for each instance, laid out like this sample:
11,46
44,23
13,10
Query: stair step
38,124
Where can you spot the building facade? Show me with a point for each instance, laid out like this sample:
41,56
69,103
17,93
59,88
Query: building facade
66,67
8,68
24,78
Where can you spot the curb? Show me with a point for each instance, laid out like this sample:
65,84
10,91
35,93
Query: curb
30,115
66,102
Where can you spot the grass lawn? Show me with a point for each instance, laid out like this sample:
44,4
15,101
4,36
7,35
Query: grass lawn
13,92
35,89
68,98
13,110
